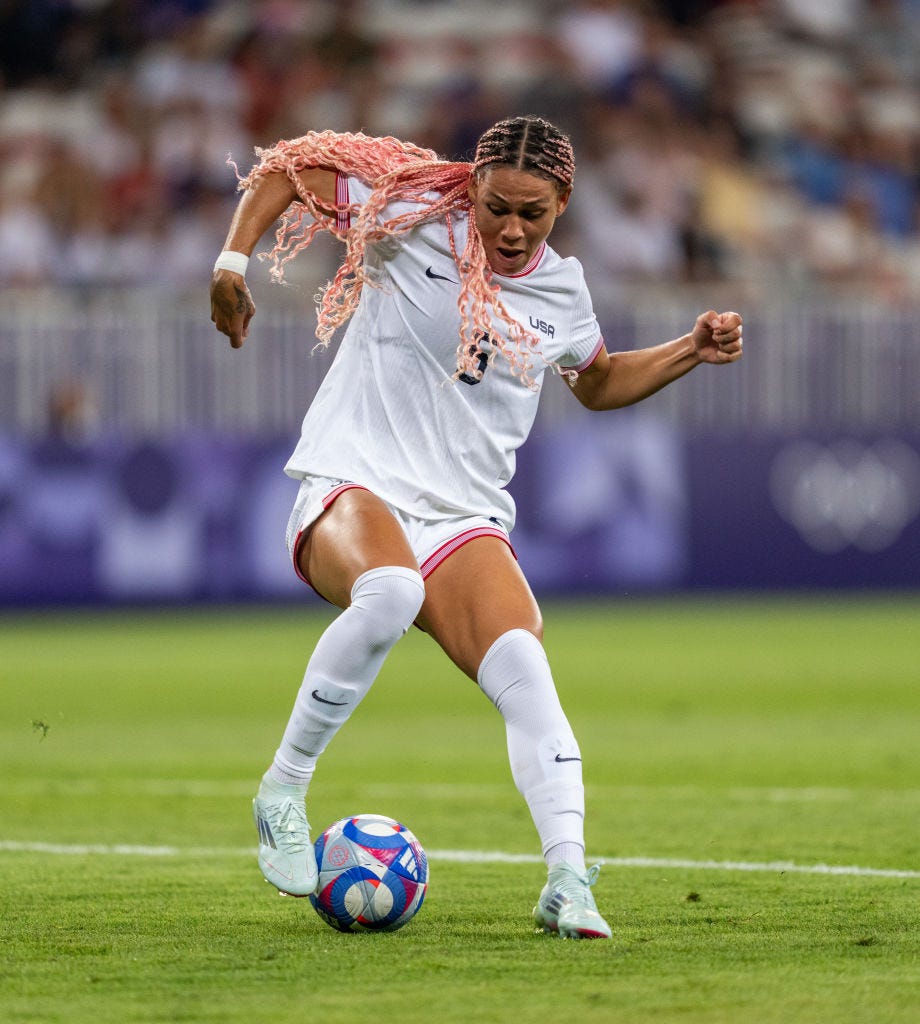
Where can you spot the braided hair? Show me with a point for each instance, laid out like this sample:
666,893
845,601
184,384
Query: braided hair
528,144
398,170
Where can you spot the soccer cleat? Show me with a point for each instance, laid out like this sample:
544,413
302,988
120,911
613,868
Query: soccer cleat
567,906
286,855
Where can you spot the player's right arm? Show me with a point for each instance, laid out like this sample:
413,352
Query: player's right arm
259,207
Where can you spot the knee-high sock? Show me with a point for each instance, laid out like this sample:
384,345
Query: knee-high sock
545,759
344,664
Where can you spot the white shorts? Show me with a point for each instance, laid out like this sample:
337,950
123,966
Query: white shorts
432,540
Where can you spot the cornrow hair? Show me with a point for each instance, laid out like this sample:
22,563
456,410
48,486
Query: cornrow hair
398,170
528,144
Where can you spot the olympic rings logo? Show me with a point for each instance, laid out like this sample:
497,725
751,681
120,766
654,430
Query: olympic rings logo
847,493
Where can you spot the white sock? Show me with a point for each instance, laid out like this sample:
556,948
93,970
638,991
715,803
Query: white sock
545,759
344,664
567,853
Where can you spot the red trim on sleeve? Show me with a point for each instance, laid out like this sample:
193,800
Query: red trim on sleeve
343,220
590,359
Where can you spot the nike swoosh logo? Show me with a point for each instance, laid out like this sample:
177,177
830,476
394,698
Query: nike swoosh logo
560,758
337,703
437,277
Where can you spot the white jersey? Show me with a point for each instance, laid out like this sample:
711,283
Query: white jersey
389,416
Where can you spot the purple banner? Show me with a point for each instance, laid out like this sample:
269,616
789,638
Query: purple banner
834,511
605,505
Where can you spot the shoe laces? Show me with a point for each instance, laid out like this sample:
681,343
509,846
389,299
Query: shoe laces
576,888
293,827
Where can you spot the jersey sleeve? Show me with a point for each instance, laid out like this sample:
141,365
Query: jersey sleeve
349,192
355,192
585,340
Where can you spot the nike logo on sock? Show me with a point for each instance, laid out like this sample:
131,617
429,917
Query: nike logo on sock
559,758
337,703
437,277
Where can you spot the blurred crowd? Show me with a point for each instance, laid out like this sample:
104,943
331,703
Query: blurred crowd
769,144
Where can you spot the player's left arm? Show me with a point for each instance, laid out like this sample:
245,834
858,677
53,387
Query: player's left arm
617,379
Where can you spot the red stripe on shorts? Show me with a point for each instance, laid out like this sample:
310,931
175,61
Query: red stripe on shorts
328,501
455,543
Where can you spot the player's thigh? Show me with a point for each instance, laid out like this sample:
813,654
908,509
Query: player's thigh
474,597
355,534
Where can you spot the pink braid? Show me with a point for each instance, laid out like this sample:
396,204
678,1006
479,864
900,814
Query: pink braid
394,170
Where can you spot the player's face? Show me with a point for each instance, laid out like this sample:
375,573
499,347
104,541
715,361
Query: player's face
515,212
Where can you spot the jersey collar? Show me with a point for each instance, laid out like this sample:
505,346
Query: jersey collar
531,266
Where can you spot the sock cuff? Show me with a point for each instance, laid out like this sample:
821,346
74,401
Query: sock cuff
388,572
295,787
506,639
566,852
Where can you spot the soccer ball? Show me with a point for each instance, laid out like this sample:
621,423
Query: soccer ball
373,874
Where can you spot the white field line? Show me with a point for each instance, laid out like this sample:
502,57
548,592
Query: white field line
231,789
468,857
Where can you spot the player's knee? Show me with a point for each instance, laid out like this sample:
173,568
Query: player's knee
391,598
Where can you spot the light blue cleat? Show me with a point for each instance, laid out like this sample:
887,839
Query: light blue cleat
567,905
286,855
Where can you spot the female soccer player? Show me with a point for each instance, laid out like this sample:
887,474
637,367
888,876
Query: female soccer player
456,307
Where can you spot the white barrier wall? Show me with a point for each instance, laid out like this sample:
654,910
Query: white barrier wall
151,363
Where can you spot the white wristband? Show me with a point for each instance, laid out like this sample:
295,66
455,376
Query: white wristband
230,260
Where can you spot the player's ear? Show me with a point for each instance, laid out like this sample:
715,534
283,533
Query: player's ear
563,201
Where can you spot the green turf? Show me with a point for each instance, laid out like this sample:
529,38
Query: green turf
748,730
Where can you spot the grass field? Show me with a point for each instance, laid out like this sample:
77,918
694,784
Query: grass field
753,784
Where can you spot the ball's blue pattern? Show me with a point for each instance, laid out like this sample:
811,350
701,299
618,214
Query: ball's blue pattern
351,853
335,898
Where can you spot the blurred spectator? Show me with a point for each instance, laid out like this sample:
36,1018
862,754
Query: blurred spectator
27,244
72,415
771,142
31,36
634,189
603,39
